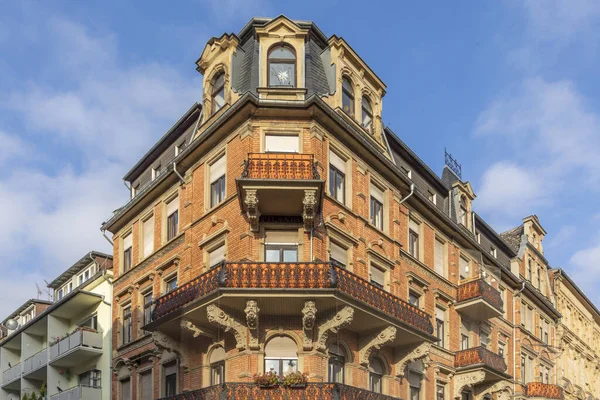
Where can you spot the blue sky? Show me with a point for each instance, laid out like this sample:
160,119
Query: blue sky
509,87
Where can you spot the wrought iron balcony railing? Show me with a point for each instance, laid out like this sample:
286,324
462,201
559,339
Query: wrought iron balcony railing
477,356
480,289
257,275
250,391
280,166
545,390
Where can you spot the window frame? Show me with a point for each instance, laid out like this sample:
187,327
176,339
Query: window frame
214,91
334,175
168,280
126,333
348,94
271,61
413,243
217,191
369,112
376,213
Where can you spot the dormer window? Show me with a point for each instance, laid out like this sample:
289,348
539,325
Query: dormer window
282,66
217,96
463,210
347,97
367,115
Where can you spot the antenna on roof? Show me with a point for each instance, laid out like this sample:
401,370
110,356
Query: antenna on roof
452,164
39,291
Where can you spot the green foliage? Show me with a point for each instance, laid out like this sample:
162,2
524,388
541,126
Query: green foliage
295,379
267,379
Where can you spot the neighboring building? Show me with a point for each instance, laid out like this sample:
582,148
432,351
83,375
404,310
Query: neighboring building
22,315
578,340
281,226
65,348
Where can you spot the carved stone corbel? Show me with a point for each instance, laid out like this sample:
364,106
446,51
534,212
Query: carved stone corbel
165,342
333,325
189,325
419,352
308,214
309,314
501,389
252,311
220,318
467,380
374,342
251,202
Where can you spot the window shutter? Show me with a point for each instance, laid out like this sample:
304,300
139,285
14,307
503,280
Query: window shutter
216,256
172,206
283,144
338,253
281,237
148,236
218,169
377,193
413,226
337,162
127,242
377,275
439,257
440,314
146,384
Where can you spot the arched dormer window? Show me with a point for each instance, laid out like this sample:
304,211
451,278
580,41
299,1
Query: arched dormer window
282,66
347,97
463,210
367,114
281,355
376,372
217,94
337,362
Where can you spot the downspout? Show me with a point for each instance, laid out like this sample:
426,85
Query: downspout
106,237
412,191
514,352
177,172
556,327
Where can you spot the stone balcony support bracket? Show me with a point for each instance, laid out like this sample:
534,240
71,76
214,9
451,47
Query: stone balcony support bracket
164,342
251,202
223,320
309,315
467,380
501,389
419,352
310,208
375,342
252,311
340,320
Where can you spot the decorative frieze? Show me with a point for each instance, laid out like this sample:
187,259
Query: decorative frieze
165,342
375,342
501,389
467,380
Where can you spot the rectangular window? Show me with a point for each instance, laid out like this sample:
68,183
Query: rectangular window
523,368
148,236
146,385
464,342
484,338
338,255
502,350
217,373
413,298
377,276
216,255
126,389
465,272
282,144
413,238
440,393
281,246
91,322
217,173
432,197
91,378
414,380
463,216
377,207
126,334
156,172
337,177
147,308
440,317
127,252
171,284
170,378
439,257
172,218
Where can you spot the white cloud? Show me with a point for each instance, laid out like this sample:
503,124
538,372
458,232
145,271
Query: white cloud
585,272
565,234
11,147
552,19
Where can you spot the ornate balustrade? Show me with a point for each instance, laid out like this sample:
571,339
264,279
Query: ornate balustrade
545,390
312,391
480,289
257,275
280,166
479,355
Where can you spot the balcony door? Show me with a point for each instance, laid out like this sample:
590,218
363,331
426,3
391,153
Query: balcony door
281,246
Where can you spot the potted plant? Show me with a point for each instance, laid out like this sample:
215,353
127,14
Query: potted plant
267,380
295,379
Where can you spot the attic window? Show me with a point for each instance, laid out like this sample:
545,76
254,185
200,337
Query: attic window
463,210
367,115
217,96
347,97
282,66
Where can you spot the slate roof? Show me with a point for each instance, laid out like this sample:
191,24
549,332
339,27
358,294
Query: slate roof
513,237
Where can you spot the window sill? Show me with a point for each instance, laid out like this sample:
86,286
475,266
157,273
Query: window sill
281,93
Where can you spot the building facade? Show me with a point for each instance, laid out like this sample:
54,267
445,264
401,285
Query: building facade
62,351
279,226
578,339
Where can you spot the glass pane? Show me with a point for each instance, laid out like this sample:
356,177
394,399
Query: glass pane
219,99
290,255
340,188
282,53
282,74
289,366
272,255
272,365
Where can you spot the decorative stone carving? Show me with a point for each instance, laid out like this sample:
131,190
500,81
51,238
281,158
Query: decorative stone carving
309,202
165,342
220,318
189,325
333,325
374,342
251,202
252,311
501,389
467,380
412,354
309,314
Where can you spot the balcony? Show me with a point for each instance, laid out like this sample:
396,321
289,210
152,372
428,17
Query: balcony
491,366
332,284
276,185
11,374
479,300
35,362
79,392
80,346
540,391
312,391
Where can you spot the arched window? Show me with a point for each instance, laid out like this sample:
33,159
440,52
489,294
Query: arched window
217,366
367,114
337,361
282,66
376,372
281,355
217,95
347,97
